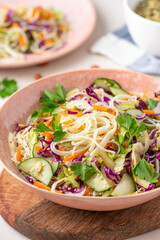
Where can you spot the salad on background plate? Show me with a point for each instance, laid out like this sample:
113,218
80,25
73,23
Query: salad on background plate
35,30
99,141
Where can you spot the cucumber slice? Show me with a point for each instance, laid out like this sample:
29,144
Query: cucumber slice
98,183
125,187
34,151
118,91
107,160
106,83
39,168
127,105
58,110
33,136
55,166
134,112
70,93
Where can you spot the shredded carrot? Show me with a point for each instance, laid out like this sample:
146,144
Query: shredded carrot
114,111
58,191
61,149
49,41
41,185
125,99
158,98
59,118
69,121
82,127
15,25
19,154
150,112
158,184
144,95
74,156
110,144
103,109
49,136
68,109
62,27
22,41
34,12
65,113
37,148
117,130
41,35
77,177
80,114
131,94
48,122
88,191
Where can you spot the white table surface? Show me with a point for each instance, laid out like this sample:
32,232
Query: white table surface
109,17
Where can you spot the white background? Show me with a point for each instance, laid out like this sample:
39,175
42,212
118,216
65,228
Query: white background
109,17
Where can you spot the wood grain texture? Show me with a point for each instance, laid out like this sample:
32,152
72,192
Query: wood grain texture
14,198
40,220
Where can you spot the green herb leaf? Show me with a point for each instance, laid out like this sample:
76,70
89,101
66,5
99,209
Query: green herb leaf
49,94
131,125
125,121
39,112
144,171
58,135
55,124
42,128
7,87
60,92
142,127
84,171
152,103
49,103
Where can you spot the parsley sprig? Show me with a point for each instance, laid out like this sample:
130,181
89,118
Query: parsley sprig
152,103
50,101
7,87
55,128
145,171
84,171
130,127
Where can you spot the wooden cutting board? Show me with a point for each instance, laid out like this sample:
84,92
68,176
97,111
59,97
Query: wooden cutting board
41,219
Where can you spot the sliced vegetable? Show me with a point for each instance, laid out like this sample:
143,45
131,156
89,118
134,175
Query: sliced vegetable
70,93
39,168
107,160
127,105
19,154
137,113
36,147
98,183
41,185
118,91
106,83
125,187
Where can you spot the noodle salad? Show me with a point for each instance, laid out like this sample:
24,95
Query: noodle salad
34,30
99,141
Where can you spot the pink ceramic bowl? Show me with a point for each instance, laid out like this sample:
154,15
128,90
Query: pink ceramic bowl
21,104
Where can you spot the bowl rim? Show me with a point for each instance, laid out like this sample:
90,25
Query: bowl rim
46,78
126,5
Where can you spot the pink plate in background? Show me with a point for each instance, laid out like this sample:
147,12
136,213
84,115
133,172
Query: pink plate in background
81,17
21,104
